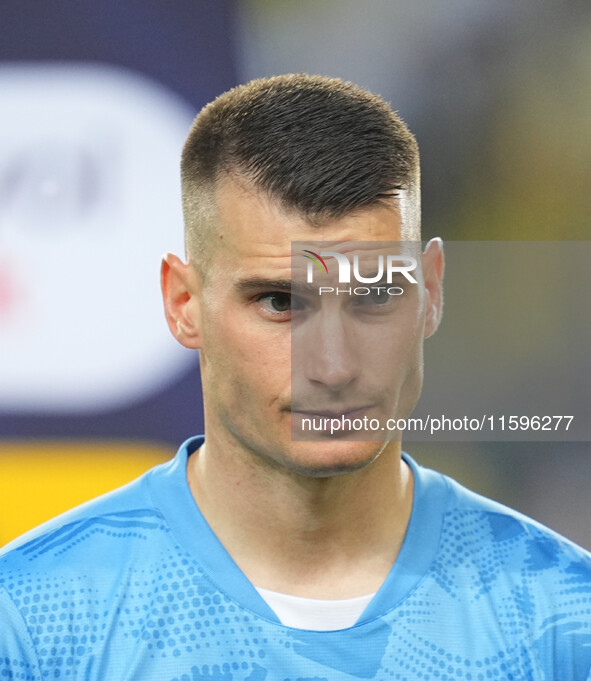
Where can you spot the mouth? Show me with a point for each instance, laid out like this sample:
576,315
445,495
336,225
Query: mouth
344,412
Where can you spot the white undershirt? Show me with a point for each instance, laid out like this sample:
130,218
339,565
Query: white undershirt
314,614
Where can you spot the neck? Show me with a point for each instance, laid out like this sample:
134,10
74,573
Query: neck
315,537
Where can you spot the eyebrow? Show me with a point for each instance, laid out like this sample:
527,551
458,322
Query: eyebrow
256,284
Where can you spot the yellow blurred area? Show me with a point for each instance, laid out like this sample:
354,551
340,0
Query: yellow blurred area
39,480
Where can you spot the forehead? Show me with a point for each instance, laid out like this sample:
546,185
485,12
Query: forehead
252,230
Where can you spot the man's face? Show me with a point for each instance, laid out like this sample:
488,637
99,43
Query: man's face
247,326
356,336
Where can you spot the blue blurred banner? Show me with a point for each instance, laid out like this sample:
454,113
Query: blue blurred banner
97,100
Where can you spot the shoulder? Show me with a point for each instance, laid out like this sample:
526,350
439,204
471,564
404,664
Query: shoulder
506,525
506,582
77,567
85,536
498,544
63,585
494,541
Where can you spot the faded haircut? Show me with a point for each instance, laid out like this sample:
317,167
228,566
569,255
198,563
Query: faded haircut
319,146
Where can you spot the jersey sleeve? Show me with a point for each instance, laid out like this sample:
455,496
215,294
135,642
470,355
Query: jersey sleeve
18,658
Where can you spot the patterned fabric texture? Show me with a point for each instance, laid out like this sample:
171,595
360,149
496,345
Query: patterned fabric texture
135,586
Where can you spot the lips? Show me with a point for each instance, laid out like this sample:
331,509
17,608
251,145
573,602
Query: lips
347,412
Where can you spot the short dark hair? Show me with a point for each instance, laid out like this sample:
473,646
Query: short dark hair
319,146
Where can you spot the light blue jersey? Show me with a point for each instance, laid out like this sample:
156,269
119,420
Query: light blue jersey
135,586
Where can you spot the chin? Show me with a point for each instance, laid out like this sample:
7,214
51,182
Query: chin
321,459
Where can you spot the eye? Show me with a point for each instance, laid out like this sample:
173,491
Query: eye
378,296
279,301
278,306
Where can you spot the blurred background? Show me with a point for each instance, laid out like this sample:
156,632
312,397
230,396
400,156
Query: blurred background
96,100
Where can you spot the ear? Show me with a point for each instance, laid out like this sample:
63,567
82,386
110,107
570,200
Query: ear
181,290
433,264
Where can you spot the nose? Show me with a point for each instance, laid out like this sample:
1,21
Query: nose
331,354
